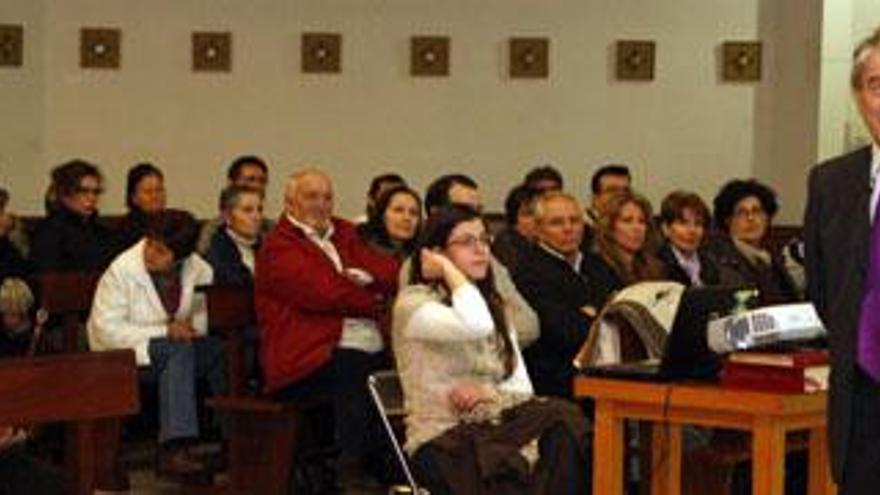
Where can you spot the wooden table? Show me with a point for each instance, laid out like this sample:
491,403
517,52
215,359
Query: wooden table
769,416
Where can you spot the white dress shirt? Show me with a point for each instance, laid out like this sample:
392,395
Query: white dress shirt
875,186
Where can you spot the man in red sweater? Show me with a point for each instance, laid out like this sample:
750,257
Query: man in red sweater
320,293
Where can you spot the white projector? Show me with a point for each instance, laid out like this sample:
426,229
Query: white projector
764,326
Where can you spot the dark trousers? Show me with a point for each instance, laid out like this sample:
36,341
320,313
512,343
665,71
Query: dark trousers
22,473
861,475
483,458
355,425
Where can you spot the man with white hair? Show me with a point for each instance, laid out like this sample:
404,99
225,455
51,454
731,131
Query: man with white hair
320,293
564,286
842,241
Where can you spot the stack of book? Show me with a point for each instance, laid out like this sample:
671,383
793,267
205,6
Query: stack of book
795,371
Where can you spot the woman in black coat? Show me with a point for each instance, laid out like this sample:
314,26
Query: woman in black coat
233,246
231,254
744,210
71,238
684,220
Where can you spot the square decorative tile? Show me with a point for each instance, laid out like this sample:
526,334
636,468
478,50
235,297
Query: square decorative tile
11,45
529,57
429,56
741,61
635,60
212,51
321,53
100,48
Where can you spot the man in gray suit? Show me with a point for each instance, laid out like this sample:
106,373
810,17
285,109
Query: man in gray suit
842,235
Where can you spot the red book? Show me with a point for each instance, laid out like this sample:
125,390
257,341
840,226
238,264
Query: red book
794,379
792,359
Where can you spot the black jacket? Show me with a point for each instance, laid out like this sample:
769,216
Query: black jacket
131,229
672,269
65,241
773,282
558,295
225,260
837,230
12,263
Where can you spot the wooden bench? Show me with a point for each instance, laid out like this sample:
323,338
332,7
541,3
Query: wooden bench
91,391
262,432
68,296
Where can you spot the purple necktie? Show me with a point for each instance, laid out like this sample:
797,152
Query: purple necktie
869,319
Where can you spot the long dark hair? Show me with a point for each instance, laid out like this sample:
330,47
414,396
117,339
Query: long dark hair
438,228
375,230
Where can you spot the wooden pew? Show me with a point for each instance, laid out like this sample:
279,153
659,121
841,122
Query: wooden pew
68,296
262,432
91,391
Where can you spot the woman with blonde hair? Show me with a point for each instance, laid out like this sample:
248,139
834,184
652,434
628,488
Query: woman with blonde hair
626,242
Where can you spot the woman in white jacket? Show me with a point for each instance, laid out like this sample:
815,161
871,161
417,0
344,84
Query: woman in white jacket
473,423
146,301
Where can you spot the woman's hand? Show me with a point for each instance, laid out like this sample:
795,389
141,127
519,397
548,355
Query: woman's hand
466,397
10,436
181,331
434,264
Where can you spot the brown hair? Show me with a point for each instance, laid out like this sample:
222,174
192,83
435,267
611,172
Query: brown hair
677,202
645,265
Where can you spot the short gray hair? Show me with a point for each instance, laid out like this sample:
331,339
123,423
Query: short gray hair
294,178
860,56
230,196
540,205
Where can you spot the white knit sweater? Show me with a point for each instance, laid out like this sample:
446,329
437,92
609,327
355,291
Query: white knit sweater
438,346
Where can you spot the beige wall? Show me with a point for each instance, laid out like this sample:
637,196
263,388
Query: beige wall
684,130
786,102
846,23
23,109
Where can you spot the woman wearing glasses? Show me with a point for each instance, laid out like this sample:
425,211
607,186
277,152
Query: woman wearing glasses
70,238
744,210
473,422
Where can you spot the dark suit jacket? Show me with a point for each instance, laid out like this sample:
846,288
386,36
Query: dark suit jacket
672,269
836,235
557,293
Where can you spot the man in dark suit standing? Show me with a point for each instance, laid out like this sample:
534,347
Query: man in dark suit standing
842,234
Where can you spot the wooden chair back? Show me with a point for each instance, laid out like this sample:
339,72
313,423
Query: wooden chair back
68,295
230,312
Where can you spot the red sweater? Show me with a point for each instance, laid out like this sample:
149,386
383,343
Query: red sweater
301,299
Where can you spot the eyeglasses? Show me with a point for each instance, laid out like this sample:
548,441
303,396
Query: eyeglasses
471,242
756,212
95,191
